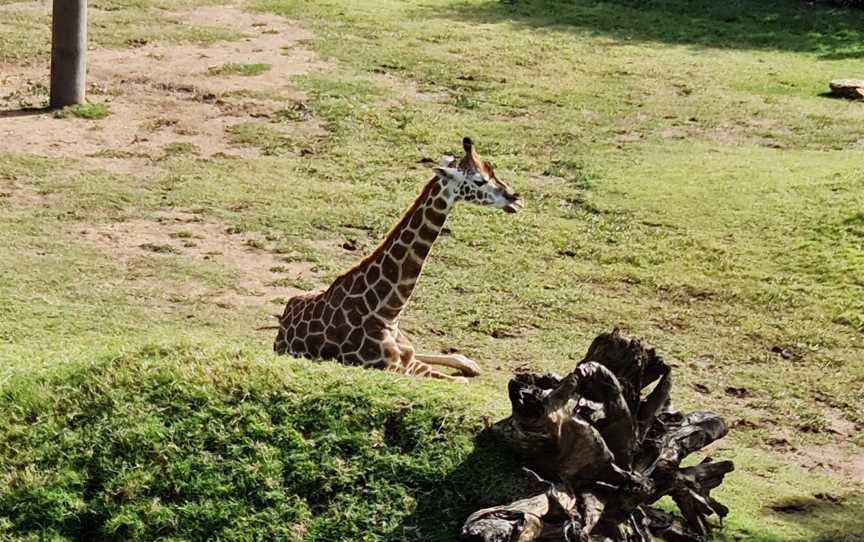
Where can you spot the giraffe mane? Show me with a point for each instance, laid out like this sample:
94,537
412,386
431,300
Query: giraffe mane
389,237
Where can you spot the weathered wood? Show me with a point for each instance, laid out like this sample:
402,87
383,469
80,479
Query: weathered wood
606,451
68,52
851,89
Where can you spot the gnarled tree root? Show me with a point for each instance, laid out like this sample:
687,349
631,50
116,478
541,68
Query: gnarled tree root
605,448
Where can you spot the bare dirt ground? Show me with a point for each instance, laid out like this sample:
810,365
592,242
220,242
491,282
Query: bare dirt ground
260,274
836,456
162,94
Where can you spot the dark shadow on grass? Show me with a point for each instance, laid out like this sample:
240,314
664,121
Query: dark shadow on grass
24,112
832,96
487,477
836,518
490,476
833,33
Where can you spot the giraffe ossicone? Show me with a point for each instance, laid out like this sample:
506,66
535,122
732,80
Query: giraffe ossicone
356,320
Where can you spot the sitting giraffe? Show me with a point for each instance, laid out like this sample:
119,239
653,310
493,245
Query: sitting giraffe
356,320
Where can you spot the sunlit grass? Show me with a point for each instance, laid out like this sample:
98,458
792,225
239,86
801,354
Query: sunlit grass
685,181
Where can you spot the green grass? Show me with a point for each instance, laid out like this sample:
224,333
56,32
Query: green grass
181,149
164,442
265,136
239,69
89,111
25,29
685,181
268,137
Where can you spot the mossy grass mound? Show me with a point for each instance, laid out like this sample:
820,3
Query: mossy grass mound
183,444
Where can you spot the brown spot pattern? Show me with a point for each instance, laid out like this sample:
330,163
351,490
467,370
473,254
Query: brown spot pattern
355,321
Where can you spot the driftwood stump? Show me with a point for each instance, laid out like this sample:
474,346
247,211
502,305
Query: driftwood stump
851,89
603,448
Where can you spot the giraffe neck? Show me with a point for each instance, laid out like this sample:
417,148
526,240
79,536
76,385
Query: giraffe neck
385,280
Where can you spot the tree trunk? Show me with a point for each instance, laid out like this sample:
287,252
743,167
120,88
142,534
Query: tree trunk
68,52
605,452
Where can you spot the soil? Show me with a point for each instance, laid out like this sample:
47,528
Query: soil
260,274
167,94
834,454
162,94
839,455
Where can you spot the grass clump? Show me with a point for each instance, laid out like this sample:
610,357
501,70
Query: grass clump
158,248
239,69
181,148
188,443
89,111
271,140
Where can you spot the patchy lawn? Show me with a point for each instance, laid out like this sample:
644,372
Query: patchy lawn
685,180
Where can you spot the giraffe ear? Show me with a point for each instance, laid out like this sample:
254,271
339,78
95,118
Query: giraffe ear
446,160
447,172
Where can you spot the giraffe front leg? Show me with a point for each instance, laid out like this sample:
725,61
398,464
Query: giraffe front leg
466,366
418,368
400,356
455,379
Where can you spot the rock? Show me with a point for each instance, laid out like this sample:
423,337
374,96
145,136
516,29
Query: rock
851,89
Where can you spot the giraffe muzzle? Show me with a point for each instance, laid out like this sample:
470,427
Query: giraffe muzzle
514,207
515,203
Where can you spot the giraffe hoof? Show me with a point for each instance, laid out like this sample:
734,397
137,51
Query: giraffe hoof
460,380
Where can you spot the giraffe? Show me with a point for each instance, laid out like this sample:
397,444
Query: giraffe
356,320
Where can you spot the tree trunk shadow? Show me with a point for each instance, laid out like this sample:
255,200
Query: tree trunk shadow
24,112
488,476
785,25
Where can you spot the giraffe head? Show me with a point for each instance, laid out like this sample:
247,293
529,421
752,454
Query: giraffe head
474,180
